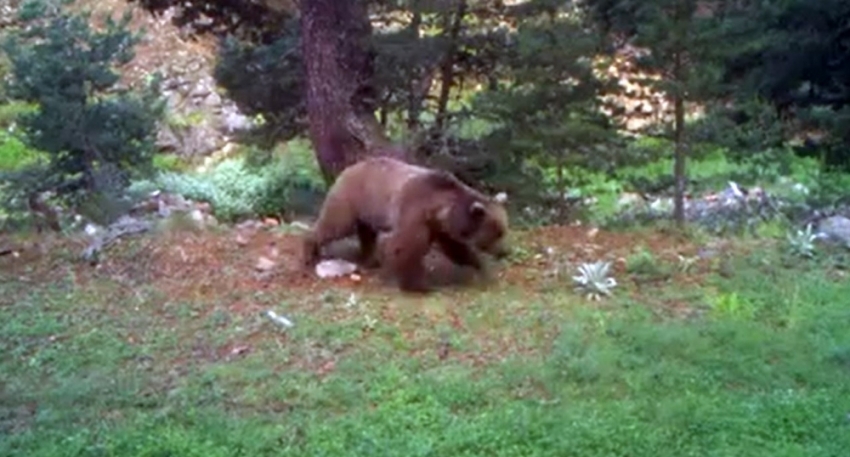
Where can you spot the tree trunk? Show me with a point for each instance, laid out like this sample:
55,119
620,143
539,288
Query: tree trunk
339,65
447,71
414,101
679,155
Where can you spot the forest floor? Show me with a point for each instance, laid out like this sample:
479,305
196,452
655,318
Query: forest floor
163,348
188,264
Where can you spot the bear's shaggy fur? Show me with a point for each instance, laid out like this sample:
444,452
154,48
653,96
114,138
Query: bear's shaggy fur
411,207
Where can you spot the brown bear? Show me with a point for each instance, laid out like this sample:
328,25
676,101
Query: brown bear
411,207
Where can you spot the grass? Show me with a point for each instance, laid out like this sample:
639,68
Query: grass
757,368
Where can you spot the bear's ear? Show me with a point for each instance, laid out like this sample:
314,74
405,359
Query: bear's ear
477,209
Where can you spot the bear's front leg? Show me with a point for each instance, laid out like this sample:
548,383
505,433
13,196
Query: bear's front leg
402,253
458,252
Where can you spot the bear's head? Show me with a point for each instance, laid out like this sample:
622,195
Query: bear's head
480,222
492,223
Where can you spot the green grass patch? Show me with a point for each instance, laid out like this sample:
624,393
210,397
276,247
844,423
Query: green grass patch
761,369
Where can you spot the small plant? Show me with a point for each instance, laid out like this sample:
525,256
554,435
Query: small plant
732,305
642,262
802,242
361,307
686,263
593,280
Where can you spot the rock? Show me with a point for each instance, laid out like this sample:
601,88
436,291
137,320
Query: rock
272,250
204,206
233,121
249,225
125,225
91,229
203,117
300,225
278,319
241,239
333,268
197,216
835,229
163,209
264,264
731,207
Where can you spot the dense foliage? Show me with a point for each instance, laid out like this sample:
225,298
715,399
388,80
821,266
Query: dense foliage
541,98
511,93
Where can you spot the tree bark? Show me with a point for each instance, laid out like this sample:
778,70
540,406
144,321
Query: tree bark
339,65
680,152
447,71
414,101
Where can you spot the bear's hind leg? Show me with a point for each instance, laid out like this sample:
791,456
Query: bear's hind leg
336,221
368,238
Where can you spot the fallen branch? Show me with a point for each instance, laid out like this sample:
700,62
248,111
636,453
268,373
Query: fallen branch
123,227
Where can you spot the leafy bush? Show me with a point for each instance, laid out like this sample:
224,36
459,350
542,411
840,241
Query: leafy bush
169,162
236,188
11,111
14,154
708,168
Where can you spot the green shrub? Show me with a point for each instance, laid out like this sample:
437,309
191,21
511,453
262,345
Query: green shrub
14,154
287,182
169,162
709,169
11,111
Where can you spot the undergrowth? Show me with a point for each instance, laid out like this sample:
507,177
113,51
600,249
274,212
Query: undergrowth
758,368
283,182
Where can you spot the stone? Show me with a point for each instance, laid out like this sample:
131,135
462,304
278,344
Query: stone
333,268
264,264
835,229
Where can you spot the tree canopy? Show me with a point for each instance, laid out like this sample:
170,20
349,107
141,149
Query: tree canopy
531,95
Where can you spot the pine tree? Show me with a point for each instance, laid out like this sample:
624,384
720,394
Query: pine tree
96,134
546,105
683,43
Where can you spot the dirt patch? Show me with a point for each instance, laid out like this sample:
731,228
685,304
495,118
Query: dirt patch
193,264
